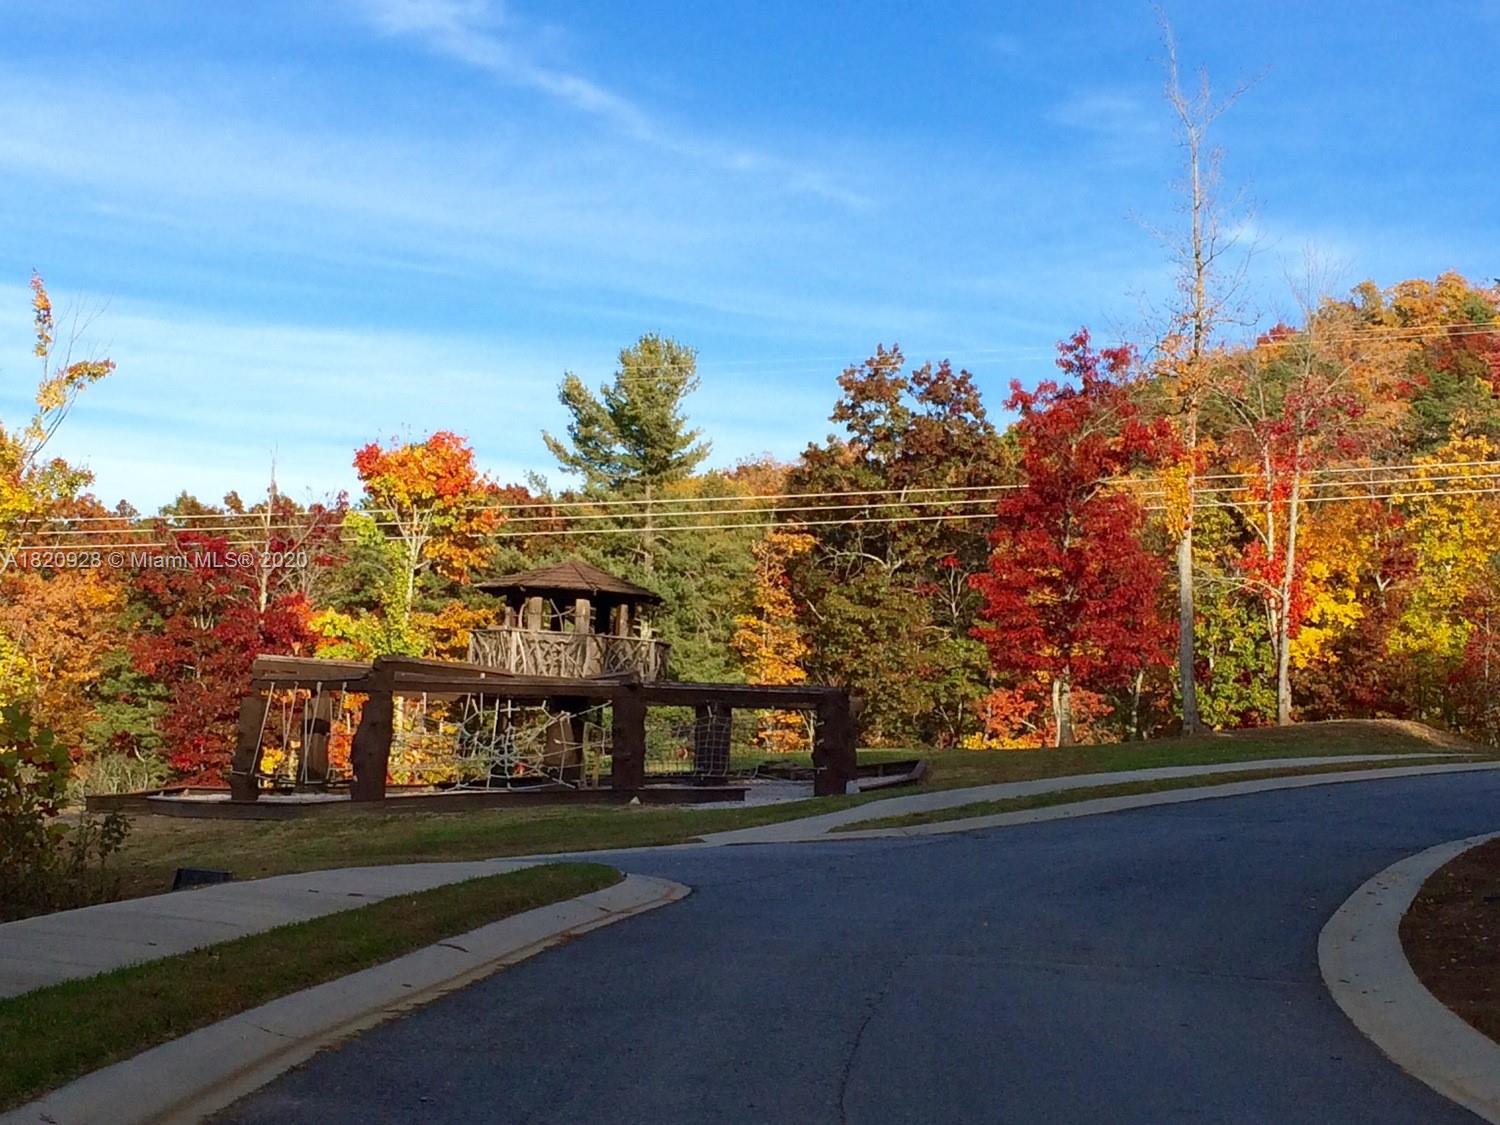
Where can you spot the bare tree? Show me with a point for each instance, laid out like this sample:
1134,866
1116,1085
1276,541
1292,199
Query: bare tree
1211,266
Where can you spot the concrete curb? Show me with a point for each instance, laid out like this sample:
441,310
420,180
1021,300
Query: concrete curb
1365,968
1104,805
189,1078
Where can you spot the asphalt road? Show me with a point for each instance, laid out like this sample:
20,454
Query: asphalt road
1151,966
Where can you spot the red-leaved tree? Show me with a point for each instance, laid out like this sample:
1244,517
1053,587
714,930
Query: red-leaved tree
1071,597
204,629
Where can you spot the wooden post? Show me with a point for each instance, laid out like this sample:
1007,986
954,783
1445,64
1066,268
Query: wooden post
534,613
583,616
247,748
834,746
628,739
370,756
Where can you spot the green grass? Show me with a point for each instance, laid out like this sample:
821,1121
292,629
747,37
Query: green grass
55,1034
1119,789
253,849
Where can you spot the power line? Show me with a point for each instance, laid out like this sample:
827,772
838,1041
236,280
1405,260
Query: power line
662,506
857,521
1145,488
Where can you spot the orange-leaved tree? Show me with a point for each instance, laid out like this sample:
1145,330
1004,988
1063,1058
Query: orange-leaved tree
427,509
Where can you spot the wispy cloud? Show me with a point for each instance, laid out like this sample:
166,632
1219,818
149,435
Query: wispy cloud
1121,125
1005,46
483,35
475,33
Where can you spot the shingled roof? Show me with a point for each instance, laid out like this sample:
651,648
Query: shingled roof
572,577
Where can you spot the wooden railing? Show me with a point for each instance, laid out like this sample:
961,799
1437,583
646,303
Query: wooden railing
541,652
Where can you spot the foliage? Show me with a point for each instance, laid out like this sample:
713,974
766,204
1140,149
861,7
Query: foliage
633,434
202,629
884,596
45,864
428,524
1072,597
769,640
63,622
31,486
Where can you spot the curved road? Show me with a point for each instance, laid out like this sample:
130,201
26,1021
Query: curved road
1149,966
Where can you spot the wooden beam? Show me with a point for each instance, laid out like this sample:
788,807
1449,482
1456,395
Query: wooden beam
780,697
529,688
269,664
308,672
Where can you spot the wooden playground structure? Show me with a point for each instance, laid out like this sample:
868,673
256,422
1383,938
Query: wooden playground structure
388,681
563,686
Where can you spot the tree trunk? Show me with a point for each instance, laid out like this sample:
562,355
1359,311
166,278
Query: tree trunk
1062,709
648,536
1186,655
1284,610
1135,708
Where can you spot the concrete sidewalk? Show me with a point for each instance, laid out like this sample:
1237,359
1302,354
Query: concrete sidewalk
35,952
816,827
186,1079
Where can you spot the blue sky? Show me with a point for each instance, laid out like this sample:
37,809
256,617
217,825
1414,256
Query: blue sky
298,227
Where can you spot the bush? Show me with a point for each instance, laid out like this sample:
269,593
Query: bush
121,773
46,864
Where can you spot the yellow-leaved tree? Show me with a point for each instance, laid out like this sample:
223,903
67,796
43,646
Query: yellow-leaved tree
33,486
769,640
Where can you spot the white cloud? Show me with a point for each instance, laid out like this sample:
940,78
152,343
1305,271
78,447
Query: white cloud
1124,127
472,32
480,35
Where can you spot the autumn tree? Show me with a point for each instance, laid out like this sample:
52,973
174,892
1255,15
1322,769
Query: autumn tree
200,628
31,484
897,501
294,546
769,639
1294,410
428,512
1071,597
1452,528
62,623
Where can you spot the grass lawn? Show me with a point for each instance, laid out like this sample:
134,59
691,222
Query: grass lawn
55,1034
252,849
1120,789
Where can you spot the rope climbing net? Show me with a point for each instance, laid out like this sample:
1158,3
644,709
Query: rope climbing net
475,742
466,742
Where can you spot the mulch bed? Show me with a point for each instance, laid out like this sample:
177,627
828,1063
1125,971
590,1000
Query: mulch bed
1451,936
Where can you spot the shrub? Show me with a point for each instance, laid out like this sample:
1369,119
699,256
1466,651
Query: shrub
121,773
46,864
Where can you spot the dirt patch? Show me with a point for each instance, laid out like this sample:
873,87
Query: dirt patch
1451,936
